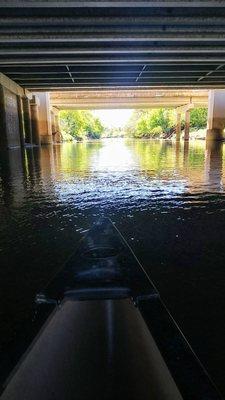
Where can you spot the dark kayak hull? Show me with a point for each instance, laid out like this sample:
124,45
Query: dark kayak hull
109,336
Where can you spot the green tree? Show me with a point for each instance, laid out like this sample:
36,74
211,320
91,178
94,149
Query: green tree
198,118
81,124
165,118
153,123
150,123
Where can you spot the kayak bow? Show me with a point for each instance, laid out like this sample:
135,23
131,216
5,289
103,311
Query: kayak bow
109,336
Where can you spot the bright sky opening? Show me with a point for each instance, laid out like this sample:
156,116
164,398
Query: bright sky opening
113,118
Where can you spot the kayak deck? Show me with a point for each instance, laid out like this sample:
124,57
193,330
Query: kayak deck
110,336
97,349
103,266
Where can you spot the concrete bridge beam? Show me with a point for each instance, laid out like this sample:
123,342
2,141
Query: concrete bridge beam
216,115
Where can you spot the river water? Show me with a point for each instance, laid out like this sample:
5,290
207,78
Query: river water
167,199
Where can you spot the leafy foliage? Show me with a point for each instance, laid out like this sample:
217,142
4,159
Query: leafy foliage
153,123
80,124
150,123
198,118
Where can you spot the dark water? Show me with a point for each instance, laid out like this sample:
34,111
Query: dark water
168,201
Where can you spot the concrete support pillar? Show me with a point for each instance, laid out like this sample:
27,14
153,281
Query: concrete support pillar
9,119
187,125
178,127
216,115
21,124
53,122
34,105
55,126
44,118
27,120
57,123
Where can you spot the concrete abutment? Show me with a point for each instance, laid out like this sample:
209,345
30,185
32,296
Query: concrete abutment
11,119
25,117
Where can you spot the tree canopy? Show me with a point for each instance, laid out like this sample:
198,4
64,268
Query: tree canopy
198,118
155,122
80,124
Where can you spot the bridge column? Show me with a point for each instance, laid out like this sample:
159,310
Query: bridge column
10,113
44,118
55,125
21,125
58,134
187,125
178,127
35,120
27,120
216,115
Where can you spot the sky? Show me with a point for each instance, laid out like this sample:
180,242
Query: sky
113,118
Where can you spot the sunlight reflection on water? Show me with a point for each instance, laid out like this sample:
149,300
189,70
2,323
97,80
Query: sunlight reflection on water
138,174
168,200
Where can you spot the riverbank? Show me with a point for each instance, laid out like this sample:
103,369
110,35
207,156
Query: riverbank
199,134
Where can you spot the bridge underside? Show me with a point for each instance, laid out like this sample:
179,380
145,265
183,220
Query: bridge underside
133,53
48,45
107,99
